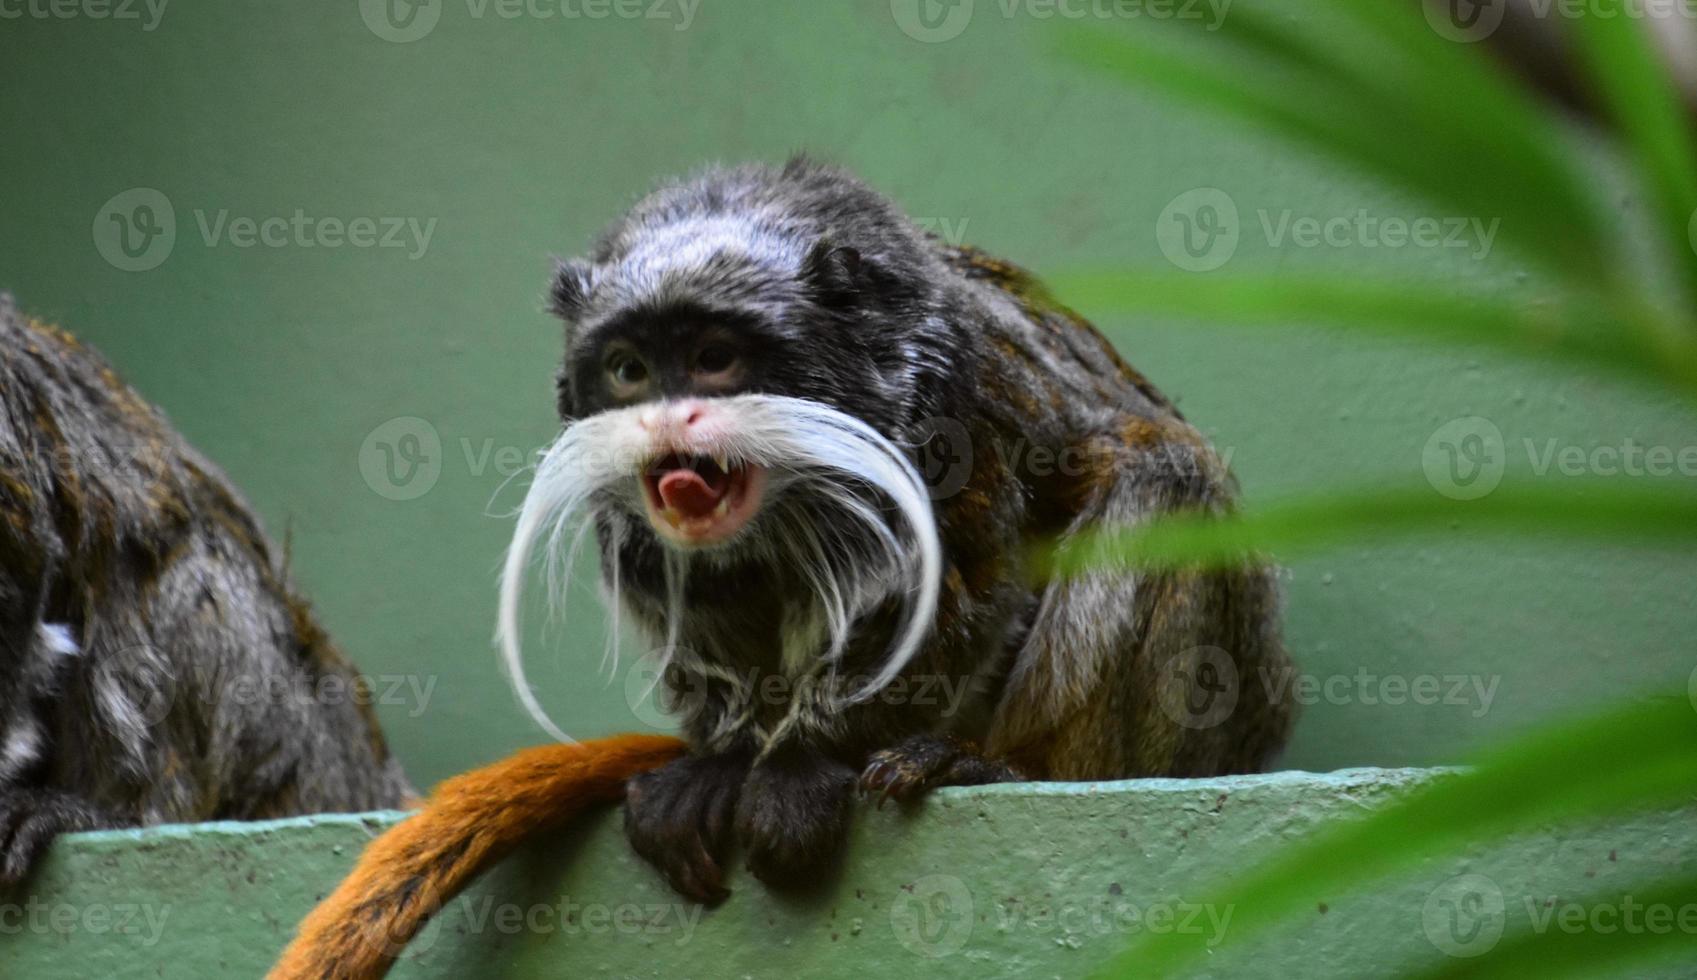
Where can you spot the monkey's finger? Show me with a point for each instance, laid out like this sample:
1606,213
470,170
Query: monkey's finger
703,815
30,837
718,814
671,841
698,877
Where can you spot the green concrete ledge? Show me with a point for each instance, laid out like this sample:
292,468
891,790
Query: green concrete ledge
1017,880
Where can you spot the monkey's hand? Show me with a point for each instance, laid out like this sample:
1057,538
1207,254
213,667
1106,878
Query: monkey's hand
678,818
30,819
921,763
794,815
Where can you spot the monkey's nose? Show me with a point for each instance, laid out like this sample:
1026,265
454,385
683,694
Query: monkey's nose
672,421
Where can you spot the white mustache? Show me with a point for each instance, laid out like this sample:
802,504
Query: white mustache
813,451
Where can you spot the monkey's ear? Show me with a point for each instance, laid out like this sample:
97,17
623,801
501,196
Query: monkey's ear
570,289
835,273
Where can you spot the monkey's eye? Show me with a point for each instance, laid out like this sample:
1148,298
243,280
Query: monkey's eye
715,359
626,372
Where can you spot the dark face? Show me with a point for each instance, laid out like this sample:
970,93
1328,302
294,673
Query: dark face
835,331
645,356
694,351
676,367
675,352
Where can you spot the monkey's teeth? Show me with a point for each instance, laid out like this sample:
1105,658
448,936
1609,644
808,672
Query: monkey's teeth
722,460
723,508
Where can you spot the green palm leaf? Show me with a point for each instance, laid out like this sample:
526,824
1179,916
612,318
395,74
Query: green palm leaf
1638,93
1600,510
1632,341
1388,109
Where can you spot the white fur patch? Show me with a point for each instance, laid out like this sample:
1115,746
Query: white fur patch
808,449
20,749
56,639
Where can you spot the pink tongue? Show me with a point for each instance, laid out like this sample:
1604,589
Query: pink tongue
687,493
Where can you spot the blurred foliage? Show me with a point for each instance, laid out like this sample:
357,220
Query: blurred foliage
1381,91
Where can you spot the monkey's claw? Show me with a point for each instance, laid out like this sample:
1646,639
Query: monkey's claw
886,777
925,762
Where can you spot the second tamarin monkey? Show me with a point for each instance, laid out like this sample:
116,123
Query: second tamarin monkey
155,664
757,362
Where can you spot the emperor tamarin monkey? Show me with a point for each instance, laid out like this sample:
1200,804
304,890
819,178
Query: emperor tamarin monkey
756,359
155,665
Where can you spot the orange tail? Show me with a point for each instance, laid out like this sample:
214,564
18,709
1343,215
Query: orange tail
471,821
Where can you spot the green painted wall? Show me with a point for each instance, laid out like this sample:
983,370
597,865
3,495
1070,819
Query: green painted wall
988,882
514,138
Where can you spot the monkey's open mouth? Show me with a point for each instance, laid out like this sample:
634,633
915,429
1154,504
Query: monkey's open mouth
698,500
